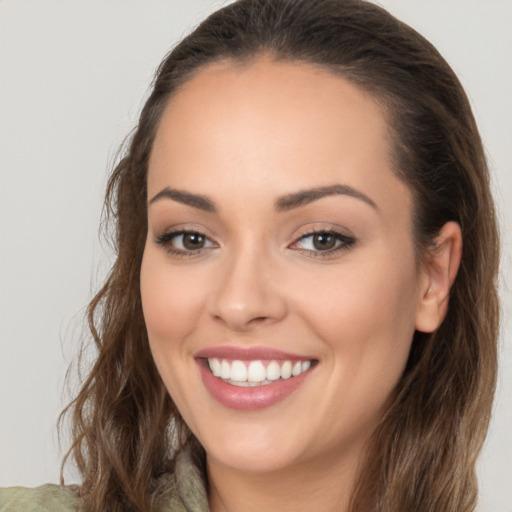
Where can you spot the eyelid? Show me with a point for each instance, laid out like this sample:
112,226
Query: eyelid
166,237
345,241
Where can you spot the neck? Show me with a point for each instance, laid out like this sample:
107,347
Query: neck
326,485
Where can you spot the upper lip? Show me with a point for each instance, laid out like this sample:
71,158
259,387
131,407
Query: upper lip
249,354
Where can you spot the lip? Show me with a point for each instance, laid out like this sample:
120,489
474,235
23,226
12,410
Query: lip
249,398
250,354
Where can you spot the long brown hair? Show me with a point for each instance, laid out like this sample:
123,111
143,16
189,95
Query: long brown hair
126,429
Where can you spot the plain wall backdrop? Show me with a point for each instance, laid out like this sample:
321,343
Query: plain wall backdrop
73,76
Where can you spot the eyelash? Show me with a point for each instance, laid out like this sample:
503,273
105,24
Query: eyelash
165,240
343,243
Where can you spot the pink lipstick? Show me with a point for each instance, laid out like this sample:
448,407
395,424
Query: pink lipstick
252,378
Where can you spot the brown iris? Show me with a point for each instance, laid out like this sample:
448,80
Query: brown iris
324,241
193,241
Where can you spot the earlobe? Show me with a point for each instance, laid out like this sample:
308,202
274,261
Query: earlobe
439,270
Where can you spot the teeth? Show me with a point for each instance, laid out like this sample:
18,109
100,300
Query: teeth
215,367
305,366
238,371
255,373
286,370
273,371
248,384
225,370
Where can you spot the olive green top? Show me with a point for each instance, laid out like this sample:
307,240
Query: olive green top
183,491
49,497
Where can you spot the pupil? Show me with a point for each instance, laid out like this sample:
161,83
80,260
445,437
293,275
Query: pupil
324,242
193,241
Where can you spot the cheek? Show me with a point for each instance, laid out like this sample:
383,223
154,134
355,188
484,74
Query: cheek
171,300
378,296
365,315
170,303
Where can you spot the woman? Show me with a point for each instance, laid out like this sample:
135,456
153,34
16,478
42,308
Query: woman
303,311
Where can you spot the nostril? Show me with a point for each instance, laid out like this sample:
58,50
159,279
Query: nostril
241,321
241,305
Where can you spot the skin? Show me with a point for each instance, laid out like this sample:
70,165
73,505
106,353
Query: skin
245,136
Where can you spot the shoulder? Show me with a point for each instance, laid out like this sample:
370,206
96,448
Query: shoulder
45,498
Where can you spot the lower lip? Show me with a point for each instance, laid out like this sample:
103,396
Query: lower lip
249,398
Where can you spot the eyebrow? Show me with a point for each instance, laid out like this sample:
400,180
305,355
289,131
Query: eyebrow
304,197
282,204
195,200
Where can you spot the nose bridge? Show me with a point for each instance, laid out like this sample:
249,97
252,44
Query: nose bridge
247,292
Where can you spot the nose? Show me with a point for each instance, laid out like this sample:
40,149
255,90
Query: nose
247,293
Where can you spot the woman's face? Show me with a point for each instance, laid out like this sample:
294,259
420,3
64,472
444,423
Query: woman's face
279,248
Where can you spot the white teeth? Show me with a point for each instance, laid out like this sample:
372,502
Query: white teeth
248,384
286,370
215,366
225,370
273,371
240,373
256,372
244,384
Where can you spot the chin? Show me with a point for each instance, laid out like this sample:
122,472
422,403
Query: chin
256,446
251,459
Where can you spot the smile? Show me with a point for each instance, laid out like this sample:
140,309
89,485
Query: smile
256,373
252,378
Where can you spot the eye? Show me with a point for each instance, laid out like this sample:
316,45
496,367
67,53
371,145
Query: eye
326,242
183,242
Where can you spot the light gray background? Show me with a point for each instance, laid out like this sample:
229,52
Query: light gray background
73,75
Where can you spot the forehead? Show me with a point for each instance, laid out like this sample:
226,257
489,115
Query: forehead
289,125
247,94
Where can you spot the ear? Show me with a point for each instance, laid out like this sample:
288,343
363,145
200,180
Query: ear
438,273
